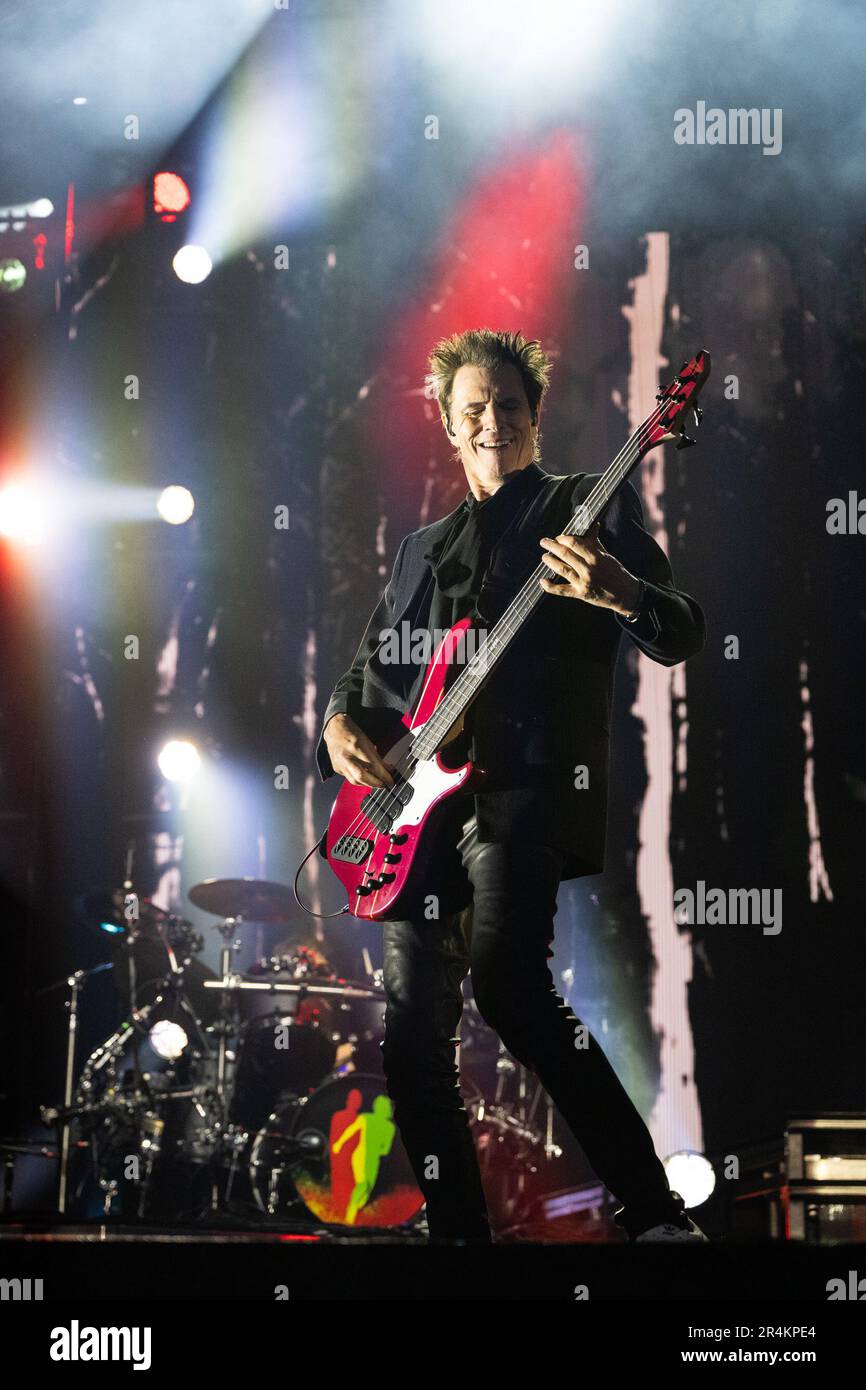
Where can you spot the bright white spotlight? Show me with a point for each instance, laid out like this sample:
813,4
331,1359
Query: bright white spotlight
175,505
179,760
22,515
167,1039
192,264
13,272
562,46
43,207
691,1175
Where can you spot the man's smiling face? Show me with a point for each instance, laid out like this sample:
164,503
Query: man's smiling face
492,425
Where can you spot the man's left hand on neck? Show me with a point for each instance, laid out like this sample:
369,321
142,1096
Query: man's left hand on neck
587,571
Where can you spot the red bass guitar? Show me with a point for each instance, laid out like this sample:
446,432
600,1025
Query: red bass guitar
378,839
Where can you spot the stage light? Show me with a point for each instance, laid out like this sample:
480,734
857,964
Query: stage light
112,928
170,195
79,101
175,505
192,264
691,1175
563,45
22,515
42,207
179,760
12,274
168,1039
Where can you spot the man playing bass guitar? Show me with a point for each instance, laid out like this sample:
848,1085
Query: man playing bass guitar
539,728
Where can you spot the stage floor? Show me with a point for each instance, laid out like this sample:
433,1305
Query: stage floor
118,1263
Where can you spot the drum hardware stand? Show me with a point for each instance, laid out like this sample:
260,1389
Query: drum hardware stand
236,1139
229,1136
511,1118
523,1110
131,978
227,980
151,1143
109,1187
75,982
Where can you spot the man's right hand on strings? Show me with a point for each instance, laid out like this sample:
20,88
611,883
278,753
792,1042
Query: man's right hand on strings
353,755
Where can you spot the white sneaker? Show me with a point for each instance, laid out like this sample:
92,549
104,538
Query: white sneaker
669,1234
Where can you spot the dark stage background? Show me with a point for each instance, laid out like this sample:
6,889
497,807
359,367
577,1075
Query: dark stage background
301,387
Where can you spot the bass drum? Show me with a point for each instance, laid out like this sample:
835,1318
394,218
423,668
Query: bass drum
340,1154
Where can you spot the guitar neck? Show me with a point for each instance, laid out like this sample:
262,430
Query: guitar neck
491,651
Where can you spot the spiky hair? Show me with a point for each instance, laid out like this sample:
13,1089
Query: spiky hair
482,347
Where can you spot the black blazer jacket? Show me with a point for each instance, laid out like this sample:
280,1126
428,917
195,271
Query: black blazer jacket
541,724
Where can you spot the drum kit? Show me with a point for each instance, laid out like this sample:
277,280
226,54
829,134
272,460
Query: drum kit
256,1097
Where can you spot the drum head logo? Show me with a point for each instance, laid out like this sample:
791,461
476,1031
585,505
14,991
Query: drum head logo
366,1180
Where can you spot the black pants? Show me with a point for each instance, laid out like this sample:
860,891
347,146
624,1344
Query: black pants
503,939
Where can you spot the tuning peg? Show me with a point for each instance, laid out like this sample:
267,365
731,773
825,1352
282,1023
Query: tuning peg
699,415
684,442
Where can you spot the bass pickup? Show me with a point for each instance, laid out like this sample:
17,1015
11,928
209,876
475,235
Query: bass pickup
352,849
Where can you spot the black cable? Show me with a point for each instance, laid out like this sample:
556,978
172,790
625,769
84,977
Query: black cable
303,906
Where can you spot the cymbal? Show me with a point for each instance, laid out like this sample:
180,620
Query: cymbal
253,899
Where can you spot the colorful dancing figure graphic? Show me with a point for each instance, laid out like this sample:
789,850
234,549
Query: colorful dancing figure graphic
342,1177
375,1130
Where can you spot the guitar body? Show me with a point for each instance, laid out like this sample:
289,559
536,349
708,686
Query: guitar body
378,842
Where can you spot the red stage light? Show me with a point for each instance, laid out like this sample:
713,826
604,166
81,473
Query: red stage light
170,195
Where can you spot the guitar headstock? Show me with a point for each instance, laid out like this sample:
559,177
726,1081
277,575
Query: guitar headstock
676,402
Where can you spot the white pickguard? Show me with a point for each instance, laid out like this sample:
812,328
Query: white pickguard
428,781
